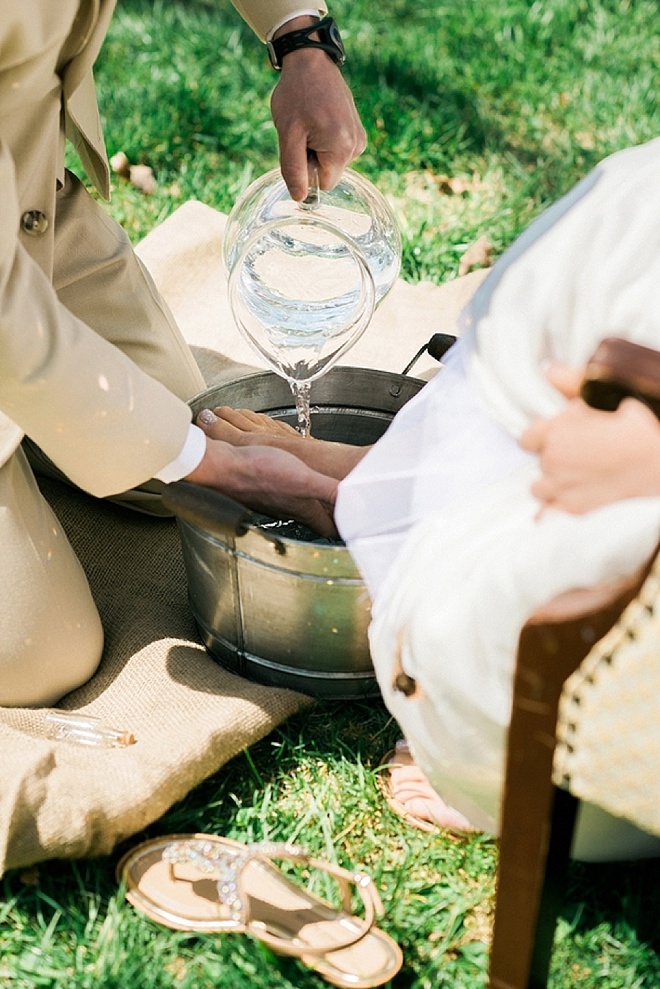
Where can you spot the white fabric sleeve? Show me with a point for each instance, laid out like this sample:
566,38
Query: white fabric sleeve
586,269
315,12
190,457
261,15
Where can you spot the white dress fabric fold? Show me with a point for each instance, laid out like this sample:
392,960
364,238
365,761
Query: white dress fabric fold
439,515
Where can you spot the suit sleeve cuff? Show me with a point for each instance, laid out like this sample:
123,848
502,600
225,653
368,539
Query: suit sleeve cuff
311,11
190,457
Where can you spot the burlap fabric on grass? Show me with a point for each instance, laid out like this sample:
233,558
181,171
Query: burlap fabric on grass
156,680
189,716
608,735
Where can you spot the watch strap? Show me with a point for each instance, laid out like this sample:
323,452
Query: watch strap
329,41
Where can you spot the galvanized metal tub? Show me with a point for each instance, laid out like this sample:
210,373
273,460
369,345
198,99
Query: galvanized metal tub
285,611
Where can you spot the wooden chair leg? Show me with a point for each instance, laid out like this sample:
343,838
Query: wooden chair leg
552,644
562,828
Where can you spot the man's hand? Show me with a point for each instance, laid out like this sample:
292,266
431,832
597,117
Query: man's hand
590,458
271,481
313,109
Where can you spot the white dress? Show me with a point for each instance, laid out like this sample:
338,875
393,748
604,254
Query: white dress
439,514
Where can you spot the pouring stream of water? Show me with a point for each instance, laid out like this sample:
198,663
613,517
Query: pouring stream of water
301,393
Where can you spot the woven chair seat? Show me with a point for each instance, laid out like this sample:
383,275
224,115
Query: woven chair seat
608,734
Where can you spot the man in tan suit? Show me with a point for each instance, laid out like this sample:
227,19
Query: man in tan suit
92,366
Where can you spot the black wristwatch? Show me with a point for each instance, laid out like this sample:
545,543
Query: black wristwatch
329,41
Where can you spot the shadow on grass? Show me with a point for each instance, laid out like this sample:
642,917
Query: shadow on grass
626,892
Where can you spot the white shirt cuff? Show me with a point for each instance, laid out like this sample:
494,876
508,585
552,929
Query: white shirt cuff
289,17
190,457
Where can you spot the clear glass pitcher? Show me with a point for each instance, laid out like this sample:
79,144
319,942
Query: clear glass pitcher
304,278
355,208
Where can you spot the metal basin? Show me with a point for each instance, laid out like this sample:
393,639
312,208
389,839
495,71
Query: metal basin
286,611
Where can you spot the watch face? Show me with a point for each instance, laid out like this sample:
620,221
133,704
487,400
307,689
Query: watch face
335,38
272,55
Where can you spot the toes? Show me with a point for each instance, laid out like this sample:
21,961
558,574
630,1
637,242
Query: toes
425,804
403,776
250,421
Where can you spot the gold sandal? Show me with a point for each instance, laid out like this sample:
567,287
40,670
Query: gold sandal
207,884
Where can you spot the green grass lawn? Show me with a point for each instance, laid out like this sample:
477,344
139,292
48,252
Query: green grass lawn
478,115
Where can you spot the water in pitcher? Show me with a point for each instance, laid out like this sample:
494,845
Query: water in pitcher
304,278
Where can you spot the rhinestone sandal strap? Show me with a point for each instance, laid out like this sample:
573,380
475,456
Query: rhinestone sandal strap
227,863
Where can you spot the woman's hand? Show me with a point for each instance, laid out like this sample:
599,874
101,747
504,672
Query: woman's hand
589,458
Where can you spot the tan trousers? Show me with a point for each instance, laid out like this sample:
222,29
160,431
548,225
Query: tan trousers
50,633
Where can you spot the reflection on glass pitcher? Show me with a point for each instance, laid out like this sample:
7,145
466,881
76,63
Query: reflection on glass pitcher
354,207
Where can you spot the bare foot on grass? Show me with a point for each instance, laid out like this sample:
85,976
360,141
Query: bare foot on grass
410,795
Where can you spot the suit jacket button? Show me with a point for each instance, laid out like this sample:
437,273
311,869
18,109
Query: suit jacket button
34,222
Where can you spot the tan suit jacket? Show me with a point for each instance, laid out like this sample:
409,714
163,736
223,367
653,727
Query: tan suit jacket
102,420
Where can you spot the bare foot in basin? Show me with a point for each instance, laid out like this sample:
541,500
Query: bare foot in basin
243,427
247,421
